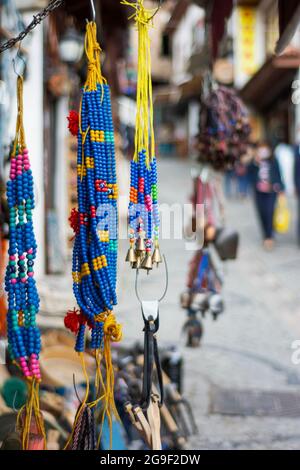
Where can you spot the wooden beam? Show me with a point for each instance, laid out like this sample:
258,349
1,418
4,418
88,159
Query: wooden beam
288,32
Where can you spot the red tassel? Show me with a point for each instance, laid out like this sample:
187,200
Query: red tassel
74,220
72,320
73,119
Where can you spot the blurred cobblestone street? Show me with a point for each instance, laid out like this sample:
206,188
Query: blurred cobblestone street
248,349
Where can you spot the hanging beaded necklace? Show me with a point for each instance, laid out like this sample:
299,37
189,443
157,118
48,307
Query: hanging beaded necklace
95,223
143,213
23,300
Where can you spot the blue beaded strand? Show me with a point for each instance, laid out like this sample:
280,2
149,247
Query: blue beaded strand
94,262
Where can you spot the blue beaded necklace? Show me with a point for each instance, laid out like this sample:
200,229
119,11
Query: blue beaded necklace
95,247
24,342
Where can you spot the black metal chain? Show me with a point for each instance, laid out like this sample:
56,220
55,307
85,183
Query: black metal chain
37,19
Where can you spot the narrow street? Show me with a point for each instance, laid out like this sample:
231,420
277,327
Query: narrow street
241,382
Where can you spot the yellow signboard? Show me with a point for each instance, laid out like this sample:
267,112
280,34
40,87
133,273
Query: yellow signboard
246,28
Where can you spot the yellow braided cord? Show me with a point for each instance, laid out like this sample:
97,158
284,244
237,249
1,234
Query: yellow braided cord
31,410
37,412
144,129
84,401
94,76
99,382
92,50
82,170
105,389
20,133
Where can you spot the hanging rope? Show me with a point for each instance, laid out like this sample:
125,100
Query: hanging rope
143,213
144,130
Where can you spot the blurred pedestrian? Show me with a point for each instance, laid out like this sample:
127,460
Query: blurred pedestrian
284,154
229,182
242,173
267,184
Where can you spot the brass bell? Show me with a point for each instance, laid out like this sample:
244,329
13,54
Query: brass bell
138,261
131,256
156,257
140,246
147,262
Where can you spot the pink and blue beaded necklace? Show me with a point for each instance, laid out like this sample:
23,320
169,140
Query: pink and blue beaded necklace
24,342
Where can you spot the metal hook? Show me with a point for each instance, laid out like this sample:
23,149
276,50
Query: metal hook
19,56
166,285
14,402
76,393
93,10
157,10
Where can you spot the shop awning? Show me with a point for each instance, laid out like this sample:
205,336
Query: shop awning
275,76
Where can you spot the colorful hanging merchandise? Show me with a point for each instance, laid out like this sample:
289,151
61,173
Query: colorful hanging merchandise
23,299
95,245
143,214
224,129
204,284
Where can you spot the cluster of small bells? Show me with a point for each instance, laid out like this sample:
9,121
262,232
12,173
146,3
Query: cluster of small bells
23,301
143,214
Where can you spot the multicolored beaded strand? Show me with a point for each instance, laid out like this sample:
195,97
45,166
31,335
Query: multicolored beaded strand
23,300
96,221
143,213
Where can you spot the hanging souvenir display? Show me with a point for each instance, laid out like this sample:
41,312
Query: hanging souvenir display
23,299
143,213
224,129
95,226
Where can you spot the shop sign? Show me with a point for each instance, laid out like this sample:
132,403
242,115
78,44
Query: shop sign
246,29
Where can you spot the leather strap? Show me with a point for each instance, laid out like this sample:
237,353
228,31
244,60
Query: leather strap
151,357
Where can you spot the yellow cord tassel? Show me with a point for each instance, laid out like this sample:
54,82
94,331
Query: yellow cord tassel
84,401
20,133
112,333
93,51
30,421
144,129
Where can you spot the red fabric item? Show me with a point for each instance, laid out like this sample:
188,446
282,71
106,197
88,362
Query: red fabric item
204,195
74,220
72,320
73,119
